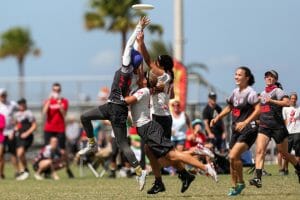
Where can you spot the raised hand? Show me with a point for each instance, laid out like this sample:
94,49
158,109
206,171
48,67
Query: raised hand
144,21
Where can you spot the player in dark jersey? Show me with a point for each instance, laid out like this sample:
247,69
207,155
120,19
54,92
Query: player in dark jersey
116,110
24,129
244,107
271,125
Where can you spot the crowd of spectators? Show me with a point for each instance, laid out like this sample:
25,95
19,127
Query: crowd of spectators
64,137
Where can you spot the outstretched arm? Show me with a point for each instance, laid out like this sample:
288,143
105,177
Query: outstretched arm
142,48
220,116
144,21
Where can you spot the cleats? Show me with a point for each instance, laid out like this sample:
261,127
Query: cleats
186,180
210,171
256,182
142,180
90,149
156,188
203,151
23,176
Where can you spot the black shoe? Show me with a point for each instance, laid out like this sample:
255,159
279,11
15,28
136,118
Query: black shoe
70,173
156,188
26,170
265,173
186,179
112,174
256,182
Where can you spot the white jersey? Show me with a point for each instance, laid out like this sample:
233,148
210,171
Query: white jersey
160,101
292,115
179,127
8,109
140,111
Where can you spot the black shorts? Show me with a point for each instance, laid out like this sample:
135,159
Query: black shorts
277,134
10,145
165,122
61,137
294,143
247,136
26,143
117,114
153,135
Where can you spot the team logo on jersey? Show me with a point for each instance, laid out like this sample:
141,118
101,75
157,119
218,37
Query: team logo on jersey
237,101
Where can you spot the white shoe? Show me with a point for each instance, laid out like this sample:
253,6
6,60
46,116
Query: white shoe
23,176
38,176
203,151
90,149
142,179
211,172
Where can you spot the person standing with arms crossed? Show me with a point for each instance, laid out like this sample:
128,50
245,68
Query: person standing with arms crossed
116,110
55,110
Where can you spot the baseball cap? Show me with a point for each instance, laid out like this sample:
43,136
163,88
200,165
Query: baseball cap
136,58
197,121
2,91
212,95
273,73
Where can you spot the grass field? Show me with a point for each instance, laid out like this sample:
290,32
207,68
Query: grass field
88,187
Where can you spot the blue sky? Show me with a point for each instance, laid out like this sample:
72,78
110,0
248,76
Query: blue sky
221,34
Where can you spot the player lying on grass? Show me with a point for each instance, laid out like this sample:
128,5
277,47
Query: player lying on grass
152,133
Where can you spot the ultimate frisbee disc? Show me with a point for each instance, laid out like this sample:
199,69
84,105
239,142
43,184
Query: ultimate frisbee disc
142,6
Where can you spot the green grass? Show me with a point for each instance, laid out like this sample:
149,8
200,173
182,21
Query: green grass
88,187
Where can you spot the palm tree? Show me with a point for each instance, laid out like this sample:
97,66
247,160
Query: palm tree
17,42
115,16
158,47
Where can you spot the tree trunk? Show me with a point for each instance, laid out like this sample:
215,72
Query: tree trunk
21,78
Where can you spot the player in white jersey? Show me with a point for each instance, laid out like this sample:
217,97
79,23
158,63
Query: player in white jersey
153,135
291,116
162,70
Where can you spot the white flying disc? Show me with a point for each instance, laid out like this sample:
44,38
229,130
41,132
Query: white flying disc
142,6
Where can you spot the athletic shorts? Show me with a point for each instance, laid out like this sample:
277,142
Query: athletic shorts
294,143
153,135
247,136
61,137
165,122
117,114
10,145
26,143
277,134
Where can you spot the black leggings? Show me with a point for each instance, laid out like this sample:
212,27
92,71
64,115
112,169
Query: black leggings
117,115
